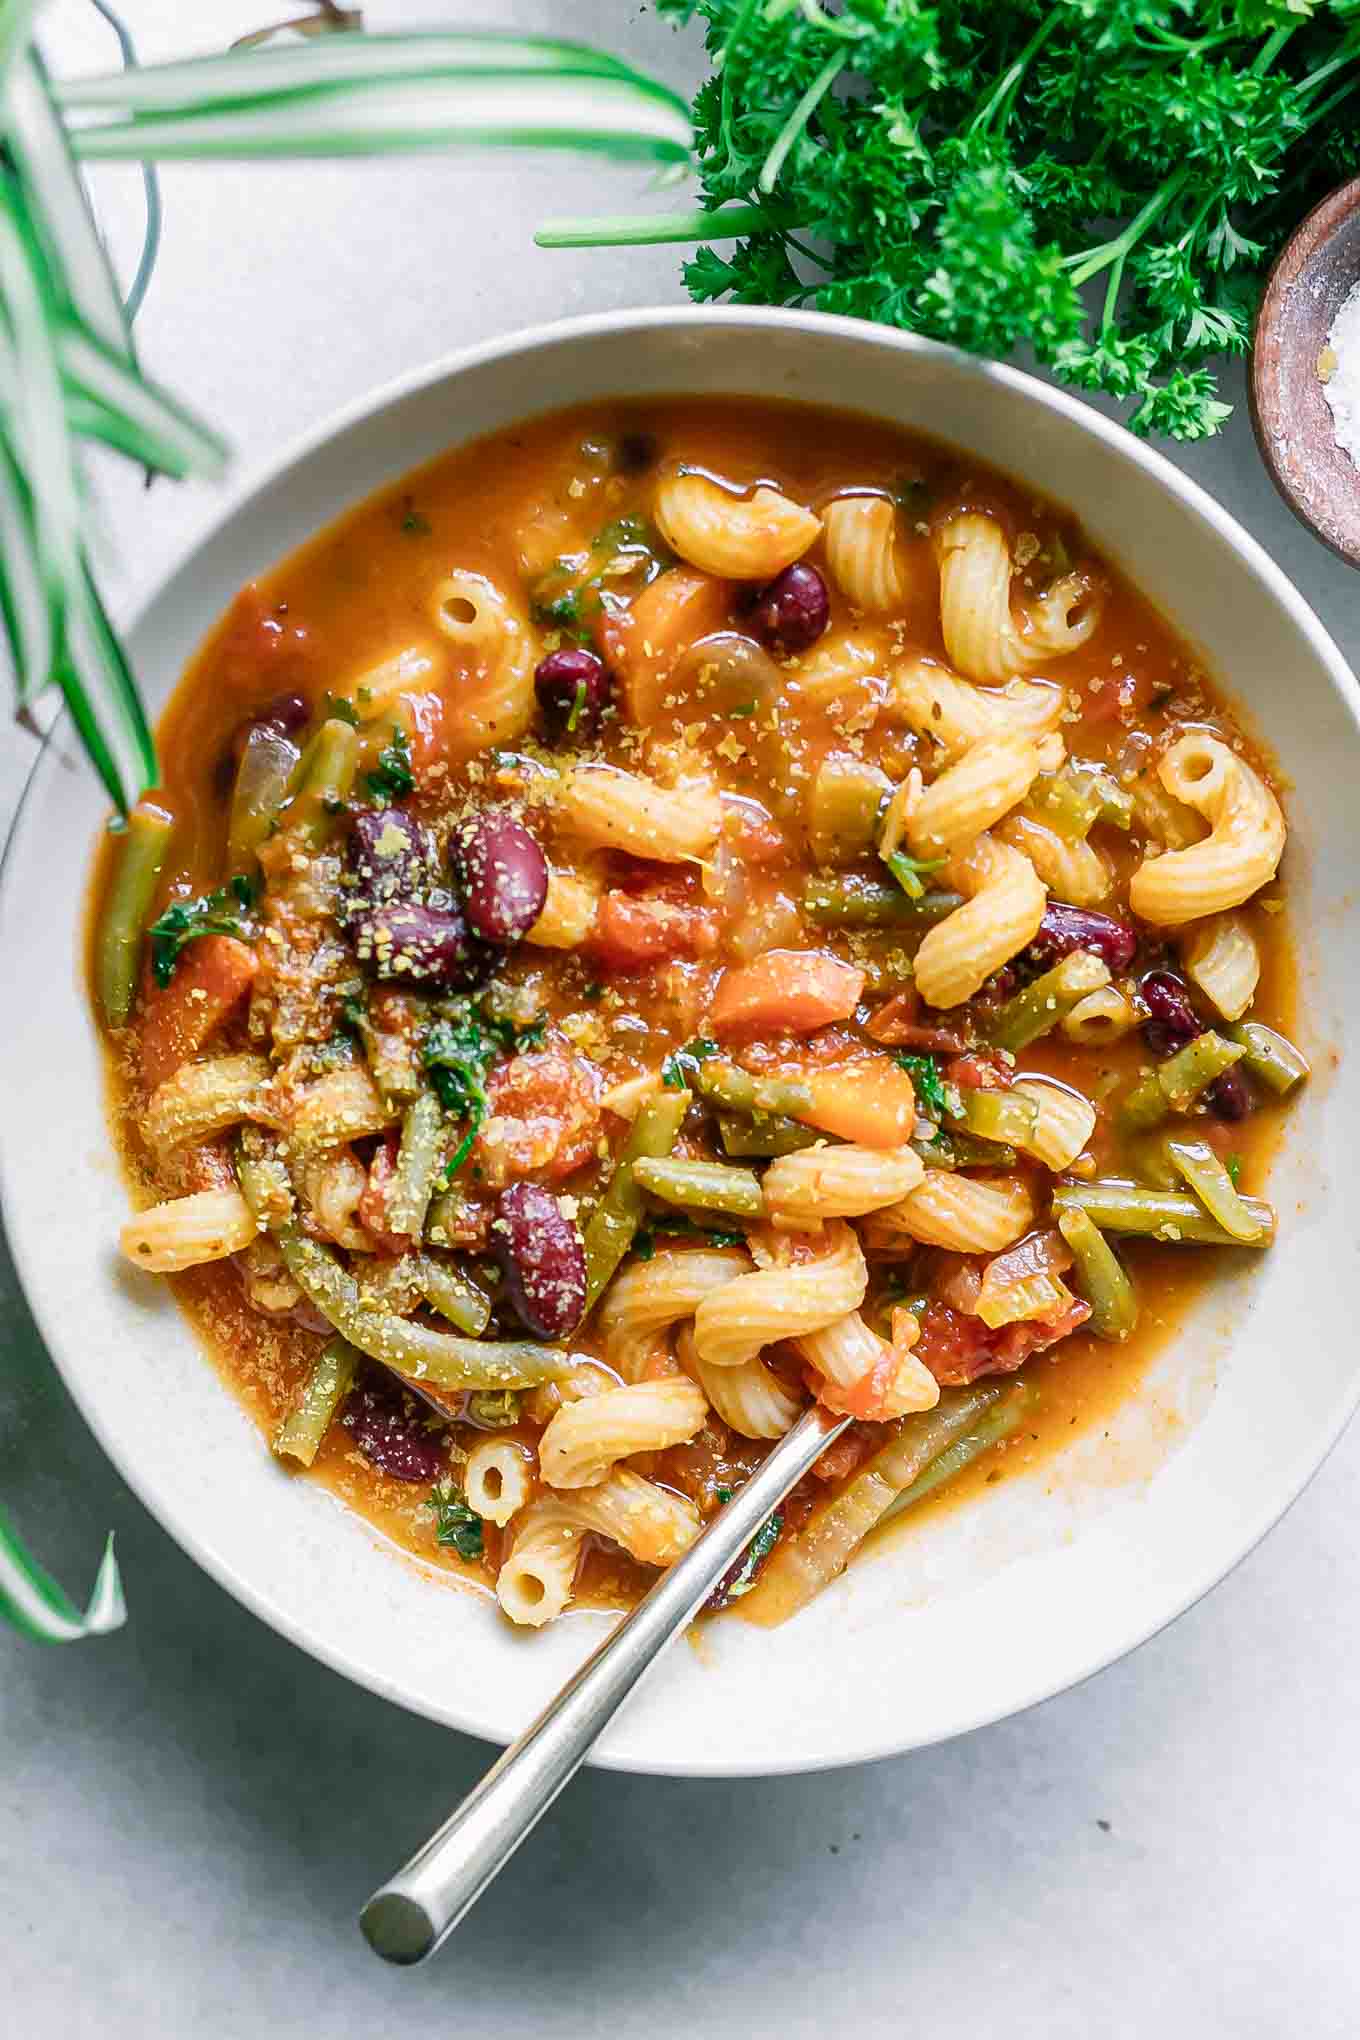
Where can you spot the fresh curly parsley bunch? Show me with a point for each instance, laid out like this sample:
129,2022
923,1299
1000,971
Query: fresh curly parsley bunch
965,169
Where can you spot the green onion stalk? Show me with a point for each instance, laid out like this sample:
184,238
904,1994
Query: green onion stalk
69,371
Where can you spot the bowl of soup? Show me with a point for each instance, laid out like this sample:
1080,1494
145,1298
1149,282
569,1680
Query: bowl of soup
671,899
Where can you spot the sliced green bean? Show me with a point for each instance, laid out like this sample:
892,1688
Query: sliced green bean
321,783
494,1409
1006,1116
988,1432
1157,1214
843,806
1214,1187
700,1186
956,1150
1269,1056
1045,1004
614,1222
766,1135
142,851
1073,799
1175,1084
419,1160
266,772
850,900
1101,1276
722,1083
452,1295
330,1381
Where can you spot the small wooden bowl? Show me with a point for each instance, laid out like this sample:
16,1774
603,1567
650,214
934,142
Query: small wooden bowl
1316,270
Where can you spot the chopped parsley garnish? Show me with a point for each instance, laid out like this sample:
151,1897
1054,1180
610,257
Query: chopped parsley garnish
1233,1165
457,1053
724,1494
392,778
679,1067
335,708
578,586
741,1580
672,1225
415,524
744,708
912,495
456,1526
578,702
216,913
924,1072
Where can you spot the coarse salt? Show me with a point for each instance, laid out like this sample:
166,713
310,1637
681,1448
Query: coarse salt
1338,370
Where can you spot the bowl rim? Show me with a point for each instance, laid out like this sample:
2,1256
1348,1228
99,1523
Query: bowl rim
256,484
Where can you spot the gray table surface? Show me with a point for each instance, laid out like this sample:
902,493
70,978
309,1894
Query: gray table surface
191,1811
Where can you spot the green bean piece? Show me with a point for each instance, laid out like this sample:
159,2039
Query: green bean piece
701,1186
844,802
1175,1084
266,772
767,1135
1157,1214
1101,1276
956,1150
614,1222
801,1565
1214,1187
436,1359
1045,1004
330,1381
494,1409
443,1220
141,856
452,1295
1147,1157
722,1083
1006,1116
992,1427
419,1160
321,783
850,900
1073,799
1269,1056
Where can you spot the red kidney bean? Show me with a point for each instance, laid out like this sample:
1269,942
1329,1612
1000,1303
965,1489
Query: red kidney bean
392,857
637,452
793,610
1231,1095
573,689
540,1253
391,1429
503,876
1066,928
408,943
1172,1019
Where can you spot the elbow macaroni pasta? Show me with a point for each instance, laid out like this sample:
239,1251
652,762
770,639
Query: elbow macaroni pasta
497,1480
1240,854
955,714
804,1189
203,1099
1223,958
969,795
750,1398
740,538
781,1302
1068,865
568,911
585,1438
1004,904
1065,1122
186,1231
968,1214
980,632
861,551
497,705
616,810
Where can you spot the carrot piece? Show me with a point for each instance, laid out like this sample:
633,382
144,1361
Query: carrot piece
213,975
668,616
786,991
871,1102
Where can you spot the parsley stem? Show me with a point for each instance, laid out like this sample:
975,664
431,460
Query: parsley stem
638,230
1003,94
1084,267
798,120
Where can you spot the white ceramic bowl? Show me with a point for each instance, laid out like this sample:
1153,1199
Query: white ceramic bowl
980,1614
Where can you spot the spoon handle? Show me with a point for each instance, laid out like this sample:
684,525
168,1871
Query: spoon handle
410,1915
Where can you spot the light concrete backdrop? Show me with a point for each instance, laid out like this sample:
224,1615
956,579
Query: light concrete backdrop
191,1811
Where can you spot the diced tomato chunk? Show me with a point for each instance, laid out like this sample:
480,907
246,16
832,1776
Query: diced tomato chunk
630,933
980,1070
958,1348
373,1202
544,1121
211,978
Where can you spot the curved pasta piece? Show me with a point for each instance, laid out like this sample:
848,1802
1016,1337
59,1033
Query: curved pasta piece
991,778
1005,904
497,1479
584,1439
1222,957
861,551
804,1189
750,1398
202,1099
739,538
981,634
331,1111
333,1185
1064,1124
618,810
186,1231
1240,854
539,1571
646,1297
496,704
955,714
968,1214
654,1525
1067,865
1103,1015
782,1302
849,1355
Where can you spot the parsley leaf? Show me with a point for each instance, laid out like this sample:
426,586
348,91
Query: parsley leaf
677,1071
458,1050
456,1526
925,1074
908,871
741,1577
218,913
392,778
336,708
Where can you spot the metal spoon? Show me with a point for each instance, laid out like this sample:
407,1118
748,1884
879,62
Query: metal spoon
412,1913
